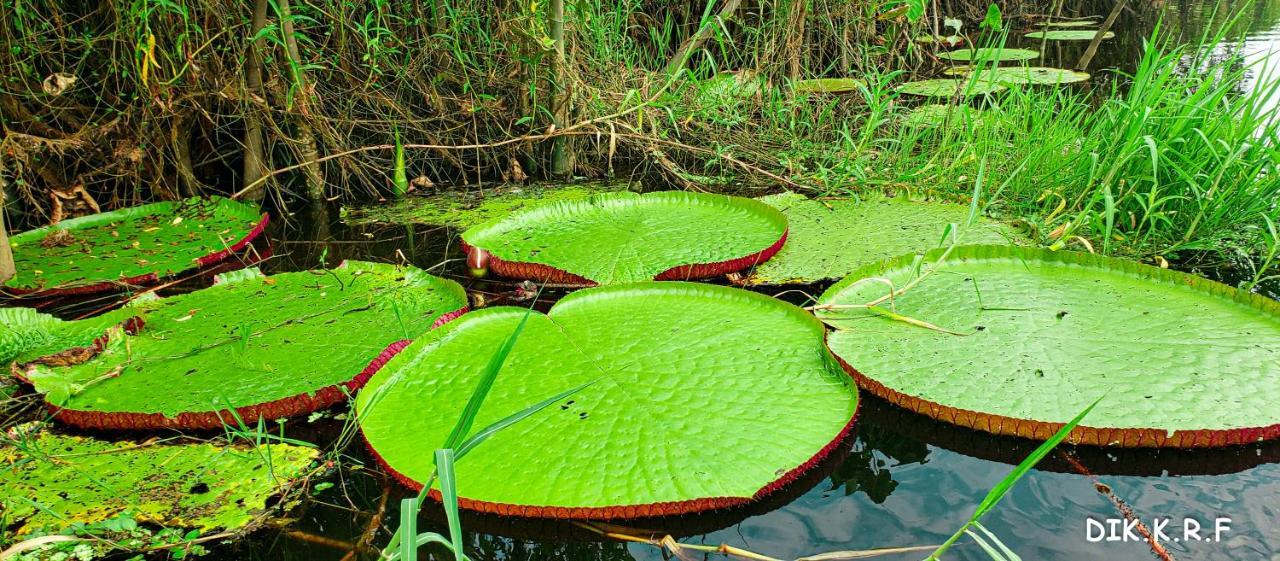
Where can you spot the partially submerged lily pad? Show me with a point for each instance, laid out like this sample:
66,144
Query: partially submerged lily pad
27,335
1017,341
937,115
1069,34
52,482
132,246
624,237
1071,23
1033,75
699,397
989,54
267,347
829,85
948,87
831,238
465,209
948,41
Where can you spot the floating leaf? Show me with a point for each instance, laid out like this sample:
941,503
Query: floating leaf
1182,361
622,237
989,54
703,397
1035,75
266,347
1071,23
831,238
132,246
829,85
1068,34
27,335
53,482
948,87
469,208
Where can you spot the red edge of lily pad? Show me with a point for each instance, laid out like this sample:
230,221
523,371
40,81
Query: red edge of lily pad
149,278
546,273
649,510
323,398
1081,435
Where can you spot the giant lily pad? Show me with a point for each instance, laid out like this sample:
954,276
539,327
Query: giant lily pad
1071,23
831,238
989,54
267,347
829,85
27,335
1018,341
624,237
1035,75
936,115
468,208
131,246
948,87
1069,34
52,482
699,397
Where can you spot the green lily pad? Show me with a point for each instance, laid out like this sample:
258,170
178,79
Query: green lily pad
1069,34
27,335
829,85
948,87
700,397
1071,23
52,482
624,237
465,209
936,115
989,54
947,41
132,246
1037,336
268,347
831,238
1034,75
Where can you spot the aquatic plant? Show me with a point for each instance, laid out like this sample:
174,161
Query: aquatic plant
621,237
464,209
131,246
250,347
1032,75
831,238
990,54
652,353
1069,34
949,87
1184,362
829,85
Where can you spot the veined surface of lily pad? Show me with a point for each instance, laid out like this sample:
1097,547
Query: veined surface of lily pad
52,482
936,115
831,238
1033,75
26,334
132,246
1033,337
983,53
267,347
624,237
1071,23
465,209
699,397
948,87
1069,34
829,85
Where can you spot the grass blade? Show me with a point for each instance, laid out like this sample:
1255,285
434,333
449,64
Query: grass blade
490,374
409,526
449,496
480,436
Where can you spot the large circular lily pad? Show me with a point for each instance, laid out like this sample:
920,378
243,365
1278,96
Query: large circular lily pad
829,85
624,237
132,246
989,54
267,347
948,87
1018,341
1029,75
700,397
1069,34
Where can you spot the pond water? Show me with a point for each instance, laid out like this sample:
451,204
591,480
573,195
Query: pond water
902,480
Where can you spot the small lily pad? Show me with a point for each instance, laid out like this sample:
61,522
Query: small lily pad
831,238
1069,34
1071,23
989,54
132,246
464,209
829,85
948,87
735,388
52,481
267,347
